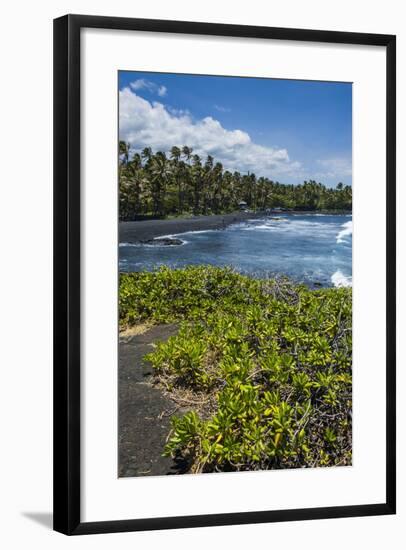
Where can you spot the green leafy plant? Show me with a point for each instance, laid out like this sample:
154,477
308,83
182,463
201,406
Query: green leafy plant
268,361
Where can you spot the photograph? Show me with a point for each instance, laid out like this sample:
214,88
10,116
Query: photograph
235,274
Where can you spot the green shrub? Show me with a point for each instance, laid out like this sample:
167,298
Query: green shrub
274,357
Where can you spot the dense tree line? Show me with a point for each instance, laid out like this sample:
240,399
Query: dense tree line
159,184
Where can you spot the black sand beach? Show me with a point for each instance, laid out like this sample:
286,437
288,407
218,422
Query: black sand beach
144,409
132,232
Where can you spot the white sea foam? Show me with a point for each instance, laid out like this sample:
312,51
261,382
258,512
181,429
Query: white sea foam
193,232
339,279
286,226
346,231
122,245
260,226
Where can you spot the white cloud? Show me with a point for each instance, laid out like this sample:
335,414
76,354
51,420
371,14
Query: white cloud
144,84
221,109
178,112
335,168
151,124
162,91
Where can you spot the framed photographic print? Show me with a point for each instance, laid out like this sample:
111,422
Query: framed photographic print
224,267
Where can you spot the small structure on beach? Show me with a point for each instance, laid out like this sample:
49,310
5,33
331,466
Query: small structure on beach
242,205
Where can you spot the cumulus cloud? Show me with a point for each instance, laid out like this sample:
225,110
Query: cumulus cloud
152,124
143,84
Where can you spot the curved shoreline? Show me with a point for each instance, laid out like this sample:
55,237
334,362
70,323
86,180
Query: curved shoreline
142,230
134,232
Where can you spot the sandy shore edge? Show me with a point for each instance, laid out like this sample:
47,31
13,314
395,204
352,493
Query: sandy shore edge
133,232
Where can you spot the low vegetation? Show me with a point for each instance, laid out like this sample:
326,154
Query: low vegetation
266,364
183,183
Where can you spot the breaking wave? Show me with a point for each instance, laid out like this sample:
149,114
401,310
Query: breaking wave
345,235
340,280
307,248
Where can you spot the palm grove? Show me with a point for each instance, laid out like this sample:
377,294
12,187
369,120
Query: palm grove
182,182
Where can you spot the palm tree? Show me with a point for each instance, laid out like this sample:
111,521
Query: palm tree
197,182
187,152
175,153
124,151
136,183
146,154
160,172
217,187
152,182
207,180
177,174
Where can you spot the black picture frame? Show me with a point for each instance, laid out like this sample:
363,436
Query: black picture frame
67,296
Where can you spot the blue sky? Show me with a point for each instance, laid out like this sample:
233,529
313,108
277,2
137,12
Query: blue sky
287,130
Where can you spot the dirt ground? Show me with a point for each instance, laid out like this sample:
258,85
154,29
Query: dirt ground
144,411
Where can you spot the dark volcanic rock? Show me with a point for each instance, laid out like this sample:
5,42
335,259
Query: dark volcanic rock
163,241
